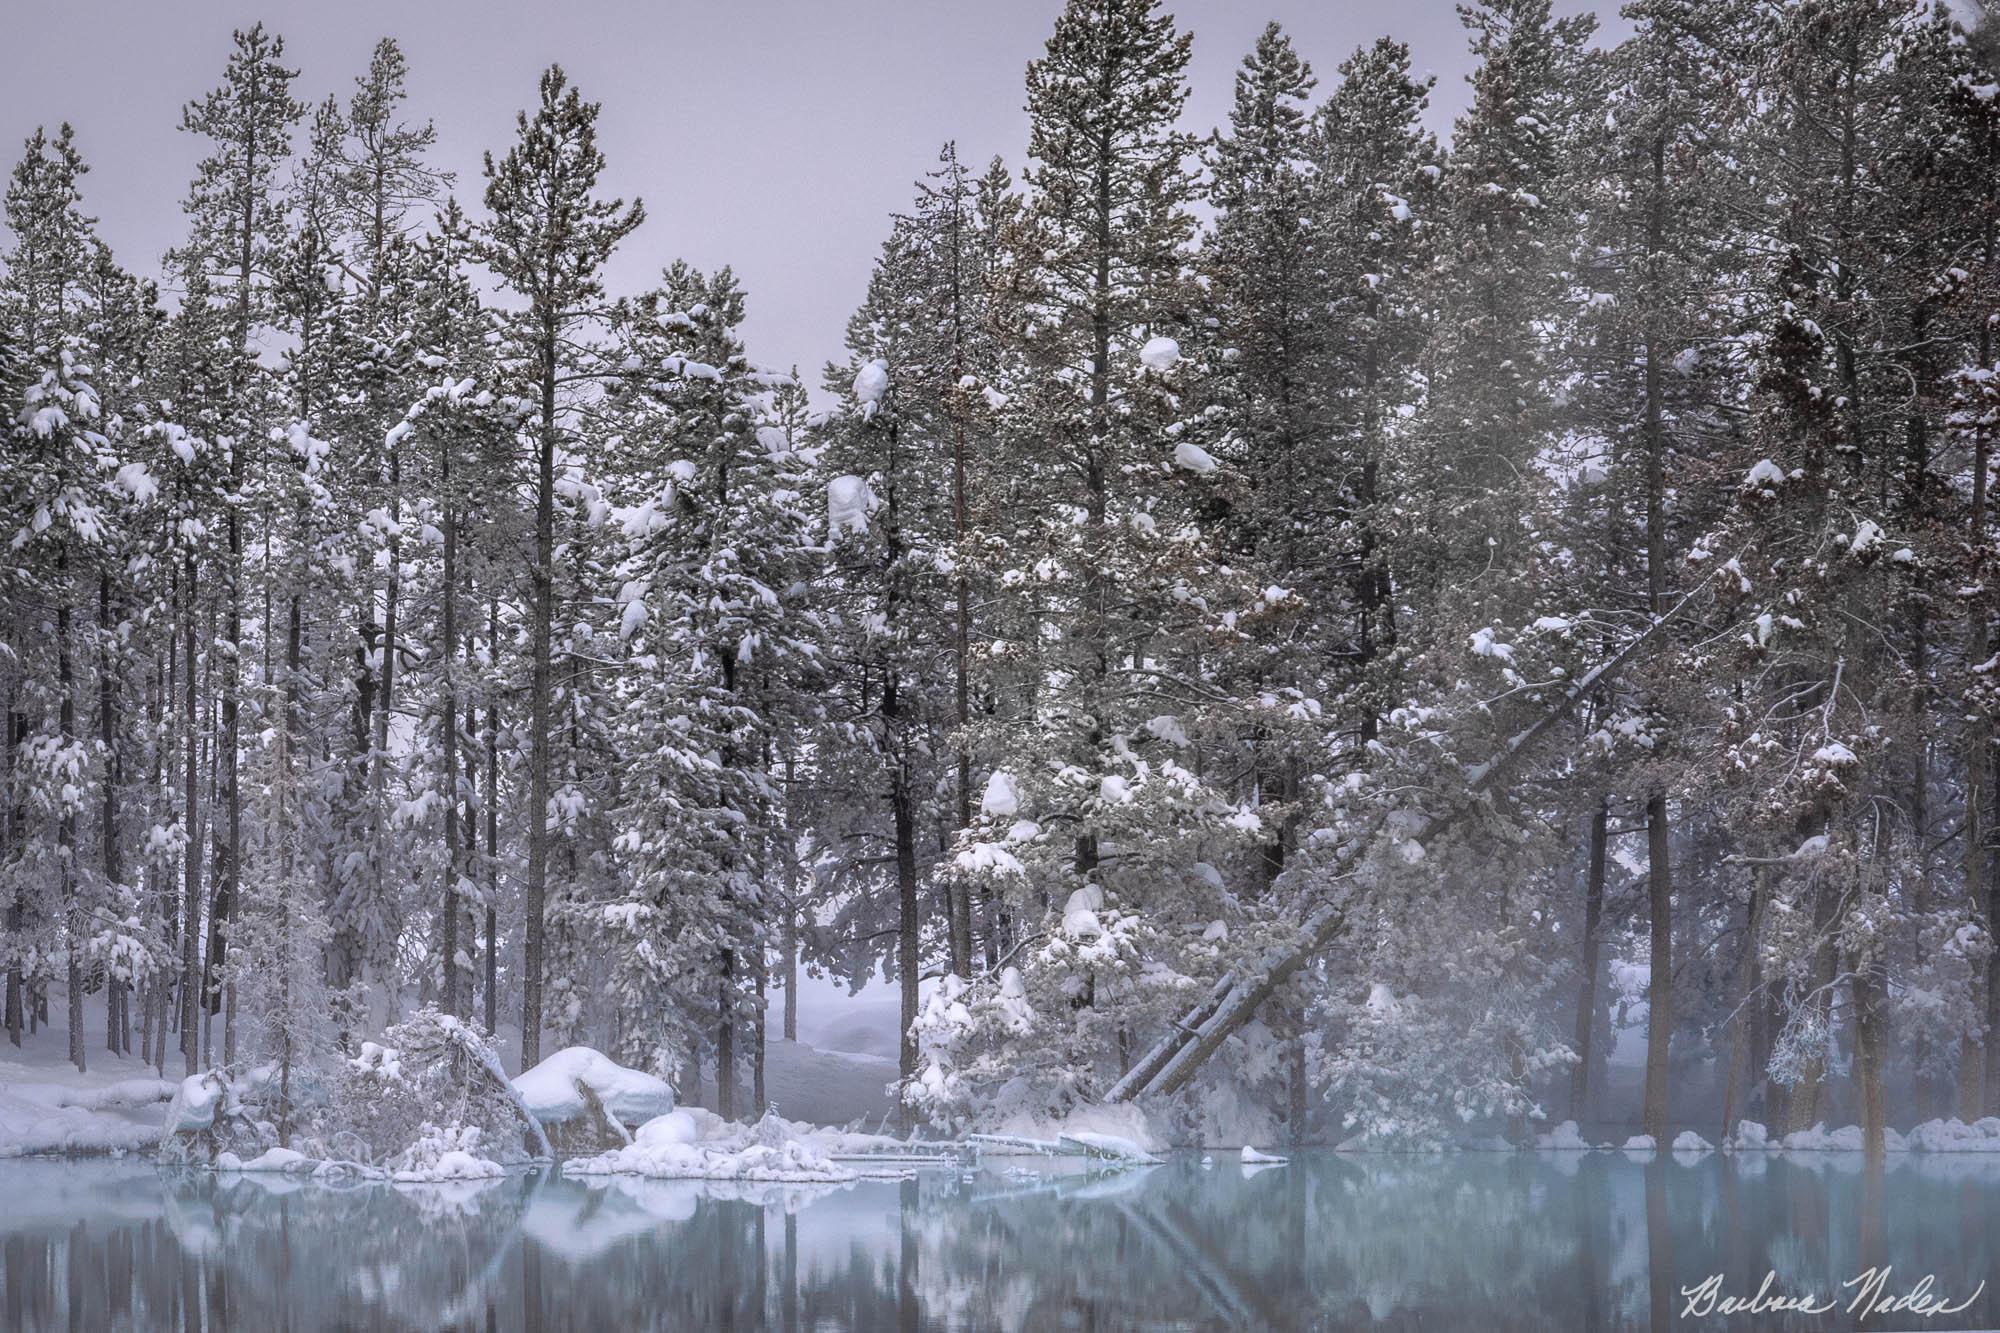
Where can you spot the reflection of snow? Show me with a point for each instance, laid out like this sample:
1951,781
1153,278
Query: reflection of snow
1436,1241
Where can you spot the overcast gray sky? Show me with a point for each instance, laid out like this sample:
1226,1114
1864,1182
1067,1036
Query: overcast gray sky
772,135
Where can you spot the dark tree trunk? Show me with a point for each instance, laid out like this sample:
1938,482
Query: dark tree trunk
1586,987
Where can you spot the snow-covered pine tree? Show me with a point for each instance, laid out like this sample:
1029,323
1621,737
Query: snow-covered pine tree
383,180
548,238
236,228
900,456
58,526
1096,818
1651,387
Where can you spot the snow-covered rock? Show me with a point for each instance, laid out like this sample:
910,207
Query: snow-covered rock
1252,1157
1750,1136
208,1120
1563,1138
560,1088
1641,1143
1690,1142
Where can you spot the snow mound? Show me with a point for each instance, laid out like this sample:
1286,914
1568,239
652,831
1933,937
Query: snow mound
559,1088
1691,1142
771,1150
1160,354
1956,1136
1563,1138
271,1159
1641,1143
1750,1136
1251,1157
1820,1139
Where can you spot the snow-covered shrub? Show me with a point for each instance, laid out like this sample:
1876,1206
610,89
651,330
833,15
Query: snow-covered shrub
429,1077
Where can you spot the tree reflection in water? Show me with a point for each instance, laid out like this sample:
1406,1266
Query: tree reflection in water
1493,1241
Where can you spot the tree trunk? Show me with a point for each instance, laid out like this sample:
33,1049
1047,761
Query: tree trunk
907,962
1972,841
725,1038
493,827
114,776
191,890
757,1097
449,904
73,925
1735,1096
1869,1055
1586,987
15,733
788,931
1660,986
535,897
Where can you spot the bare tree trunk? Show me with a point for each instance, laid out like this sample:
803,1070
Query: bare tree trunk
788,932
907,963
453,837
116,1037
1660,988
1869,1056
542,611
1735,1096
191,890
1978,740
1586,987
493,828
73,925
757,1097
15,733
725,1039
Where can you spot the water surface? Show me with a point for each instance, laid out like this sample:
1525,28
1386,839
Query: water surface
1486,1241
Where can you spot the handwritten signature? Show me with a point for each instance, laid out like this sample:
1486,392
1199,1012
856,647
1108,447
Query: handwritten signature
1870,1295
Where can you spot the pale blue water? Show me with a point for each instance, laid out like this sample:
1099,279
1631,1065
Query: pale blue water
1478,1241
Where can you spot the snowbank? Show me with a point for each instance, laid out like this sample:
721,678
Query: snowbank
34,1119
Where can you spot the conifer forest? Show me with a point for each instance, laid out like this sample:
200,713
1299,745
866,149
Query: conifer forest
1306,623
